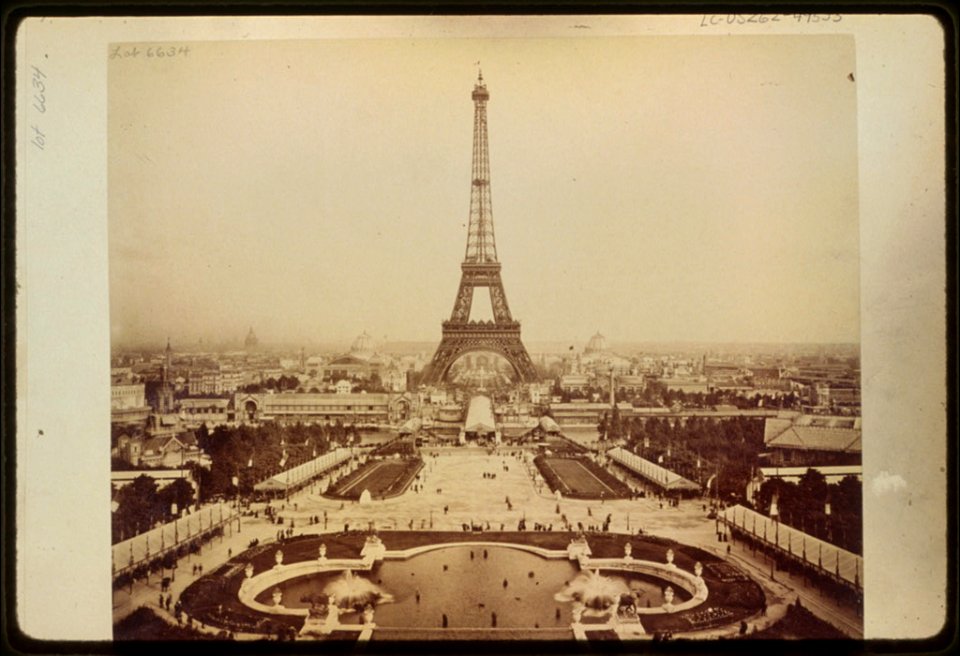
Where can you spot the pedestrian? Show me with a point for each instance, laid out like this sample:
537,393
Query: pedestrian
160,603
418,595
443,620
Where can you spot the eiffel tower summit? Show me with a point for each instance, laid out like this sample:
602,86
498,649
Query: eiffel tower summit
480,268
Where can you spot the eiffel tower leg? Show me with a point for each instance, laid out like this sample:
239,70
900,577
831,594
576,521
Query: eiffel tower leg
498,301
461,307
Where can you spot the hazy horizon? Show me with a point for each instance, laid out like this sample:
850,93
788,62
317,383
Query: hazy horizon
534,346
657,189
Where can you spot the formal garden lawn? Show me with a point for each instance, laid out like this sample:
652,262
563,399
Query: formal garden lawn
580,478
383,478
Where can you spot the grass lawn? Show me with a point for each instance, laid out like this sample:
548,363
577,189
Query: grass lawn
580,478
384,478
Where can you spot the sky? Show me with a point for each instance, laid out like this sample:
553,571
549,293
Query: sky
687,188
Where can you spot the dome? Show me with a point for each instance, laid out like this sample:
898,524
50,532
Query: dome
597,344
362,344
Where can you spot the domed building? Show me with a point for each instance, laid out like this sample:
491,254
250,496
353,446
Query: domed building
598,358
363,346
597,344
362,361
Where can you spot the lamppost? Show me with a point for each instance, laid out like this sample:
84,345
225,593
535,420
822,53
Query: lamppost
826,512
236,484
176,540
774,513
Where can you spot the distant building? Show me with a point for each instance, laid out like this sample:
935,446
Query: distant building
360,363
251,342
813,440
210,411
585,413
165,444
349,408
214,381
128,404
598,358
575,382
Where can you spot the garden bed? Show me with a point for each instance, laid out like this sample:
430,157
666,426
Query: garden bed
385,478
580,478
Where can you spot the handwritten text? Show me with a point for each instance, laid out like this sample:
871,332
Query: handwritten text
149,52
38,82
716,20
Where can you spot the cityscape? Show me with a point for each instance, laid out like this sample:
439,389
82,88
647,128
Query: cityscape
488,482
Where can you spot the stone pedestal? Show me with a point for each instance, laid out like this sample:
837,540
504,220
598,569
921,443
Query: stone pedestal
373,549
578,548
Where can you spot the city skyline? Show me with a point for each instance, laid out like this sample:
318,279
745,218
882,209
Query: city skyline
661,189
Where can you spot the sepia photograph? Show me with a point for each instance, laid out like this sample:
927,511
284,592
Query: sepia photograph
329,423
561,329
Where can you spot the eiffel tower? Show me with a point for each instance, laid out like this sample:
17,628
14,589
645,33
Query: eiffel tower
480,268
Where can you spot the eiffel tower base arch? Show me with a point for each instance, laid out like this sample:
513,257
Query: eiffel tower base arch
462,338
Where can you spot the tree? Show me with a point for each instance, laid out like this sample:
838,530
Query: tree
139,506
203,437
179,492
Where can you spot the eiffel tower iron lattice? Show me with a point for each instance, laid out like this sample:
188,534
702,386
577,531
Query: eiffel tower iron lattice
480,268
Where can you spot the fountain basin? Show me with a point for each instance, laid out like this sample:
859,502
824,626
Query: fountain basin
470,592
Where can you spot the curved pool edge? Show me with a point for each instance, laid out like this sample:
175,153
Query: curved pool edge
252,587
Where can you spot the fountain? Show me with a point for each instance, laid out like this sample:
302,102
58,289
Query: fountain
353,591
595,592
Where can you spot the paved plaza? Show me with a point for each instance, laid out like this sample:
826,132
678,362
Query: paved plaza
452,490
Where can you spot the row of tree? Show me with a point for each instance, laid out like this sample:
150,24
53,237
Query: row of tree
829,511
657,395
251,454
142,504
697,448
